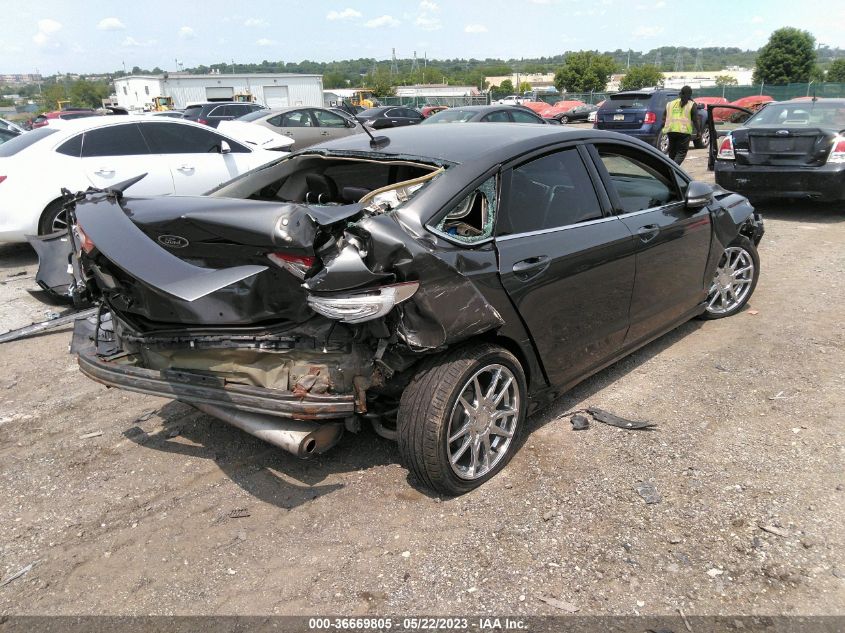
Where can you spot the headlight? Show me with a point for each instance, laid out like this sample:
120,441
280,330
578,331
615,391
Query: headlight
357,307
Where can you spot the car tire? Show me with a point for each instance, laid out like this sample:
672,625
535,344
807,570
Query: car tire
52,218
703,142
564,120
732,270
433,411
662,143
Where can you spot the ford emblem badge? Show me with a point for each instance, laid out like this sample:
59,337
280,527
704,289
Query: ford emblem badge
173,241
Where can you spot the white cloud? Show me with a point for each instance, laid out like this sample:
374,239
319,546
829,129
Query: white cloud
382,21
46,28
10,48
186,33
541,1
475,28
49,26
110,24
648,31
256,22
131,42
428,23
346,14
757,19
265,42
428,5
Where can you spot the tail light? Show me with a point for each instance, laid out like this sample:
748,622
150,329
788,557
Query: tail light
357,307
837,153
726,149
650,117
84,241
203,121
2,178
297,265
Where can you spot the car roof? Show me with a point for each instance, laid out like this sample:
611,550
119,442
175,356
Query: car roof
470,142
89,123
486,108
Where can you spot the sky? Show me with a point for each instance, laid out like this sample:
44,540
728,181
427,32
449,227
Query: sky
93,36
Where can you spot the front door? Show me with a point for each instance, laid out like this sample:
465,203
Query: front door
672,241
567,266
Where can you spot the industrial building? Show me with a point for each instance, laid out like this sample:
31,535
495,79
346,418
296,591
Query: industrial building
275,90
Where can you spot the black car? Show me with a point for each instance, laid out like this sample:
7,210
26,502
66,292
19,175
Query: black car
212,113
485,114
789,149
442,286
642,114
578,113
384,117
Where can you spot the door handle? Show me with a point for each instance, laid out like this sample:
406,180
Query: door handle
527,268
324,133
104,171
648,232
185,168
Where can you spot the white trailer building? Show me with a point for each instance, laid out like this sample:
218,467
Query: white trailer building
275,90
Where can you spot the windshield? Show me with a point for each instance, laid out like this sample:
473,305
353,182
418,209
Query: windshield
627,101
253,116
370,113
453,115
10,148
801,114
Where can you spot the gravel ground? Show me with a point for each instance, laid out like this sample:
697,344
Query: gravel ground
747,460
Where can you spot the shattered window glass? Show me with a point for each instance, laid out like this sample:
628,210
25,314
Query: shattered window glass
472,219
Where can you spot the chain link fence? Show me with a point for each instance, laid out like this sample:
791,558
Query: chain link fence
778,93
452,102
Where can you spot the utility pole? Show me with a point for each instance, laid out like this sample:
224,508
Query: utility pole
658,59
699,66
415,67
628,65
394,67
679,60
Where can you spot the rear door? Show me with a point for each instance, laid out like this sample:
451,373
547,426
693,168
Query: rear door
672,241
299,125
193,155
565,262
115,153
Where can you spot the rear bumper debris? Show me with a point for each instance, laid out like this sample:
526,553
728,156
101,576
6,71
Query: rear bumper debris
195,388
826,182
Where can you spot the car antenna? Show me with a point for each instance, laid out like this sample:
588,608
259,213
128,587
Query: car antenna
376,142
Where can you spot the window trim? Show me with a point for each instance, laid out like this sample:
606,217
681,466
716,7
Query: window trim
134,124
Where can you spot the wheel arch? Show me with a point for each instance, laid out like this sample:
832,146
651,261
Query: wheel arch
47,209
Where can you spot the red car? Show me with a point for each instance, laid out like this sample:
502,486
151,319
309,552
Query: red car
66,115
427,111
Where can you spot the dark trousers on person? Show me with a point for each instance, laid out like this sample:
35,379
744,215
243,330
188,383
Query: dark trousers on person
678,146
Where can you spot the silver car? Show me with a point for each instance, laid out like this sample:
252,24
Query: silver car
305,125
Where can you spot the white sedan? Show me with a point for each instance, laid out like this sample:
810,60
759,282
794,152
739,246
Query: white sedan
179,157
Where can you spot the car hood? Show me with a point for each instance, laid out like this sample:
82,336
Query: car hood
256,135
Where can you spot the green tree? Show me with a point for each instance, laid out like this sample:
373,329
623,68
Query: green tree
641,77
88,93
788,57
585,71
52,95
524,87
726,80
507,87
836,71
817,74
381,83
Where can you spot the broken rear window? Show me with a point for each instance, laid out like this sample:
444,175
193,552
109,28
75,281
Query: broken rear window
472,219
327,180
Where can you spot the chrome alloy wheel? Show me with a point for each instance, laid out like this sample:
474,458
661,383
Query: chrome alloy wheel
732,281
483,422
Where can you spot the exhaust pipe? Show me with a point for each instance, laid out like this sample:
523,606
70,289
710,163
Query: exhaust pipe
298,437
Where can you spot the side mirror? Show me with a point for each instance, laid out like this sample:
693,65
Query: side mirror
350,123
224,147
699,194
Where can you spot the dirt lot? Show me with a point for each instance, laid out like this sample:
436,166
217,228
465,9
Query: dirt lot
750,433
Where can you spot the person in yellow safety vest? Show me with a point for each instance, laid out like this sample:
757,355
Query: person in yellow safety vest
681,123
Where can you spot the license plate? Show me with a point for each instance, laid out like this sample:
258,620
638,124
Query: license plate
618,117
781,144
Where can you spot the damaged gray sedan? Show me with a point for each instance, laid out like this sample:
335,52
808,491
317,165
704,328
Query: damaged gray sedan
440,284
